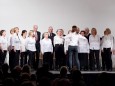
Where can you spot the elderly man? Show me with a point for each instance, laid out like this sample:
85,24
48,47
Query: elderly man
87,34
37,35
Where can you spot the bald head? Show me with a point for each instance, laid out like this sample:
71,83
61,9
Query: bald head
86,30
50,29
35,28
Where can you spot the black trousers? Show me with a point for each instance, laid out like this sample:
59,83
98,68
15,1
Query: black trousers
47,59
103,61
107,55
83,58
11,59
59,56
31,60
2,56
16,58
23,59
94,59
67,58
37,55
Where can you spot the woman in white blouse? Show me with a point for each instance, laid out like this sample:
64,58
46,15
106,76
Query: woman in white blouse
31,49
10,48
3,46
83,50
107,48
16,46
59,49
23,60
94,41
47,49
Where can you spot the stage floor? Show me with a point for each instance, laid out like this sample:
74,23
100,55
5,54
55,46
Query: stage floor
86,72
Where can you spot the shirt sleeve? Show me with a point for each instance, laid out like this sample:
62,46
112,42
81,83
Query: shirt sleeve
13,40
26,43
67,36
51,46
54,41
88,47
41,43
112,41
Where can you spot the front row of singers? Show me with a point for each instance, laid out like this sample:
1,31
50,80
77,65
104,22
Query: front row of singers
71,50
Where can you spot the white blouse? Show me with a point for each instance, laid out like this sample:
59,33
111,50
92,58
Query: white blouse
30,44
16,42
83,46
23,44
46,45
107,42
4,43
74,37
94,42
58,40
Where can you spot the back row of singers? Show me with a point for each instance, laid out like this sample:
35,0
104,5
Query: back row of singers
84,52
76,46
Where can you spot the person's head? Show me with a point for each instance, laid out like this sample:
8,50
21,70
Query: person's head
108,31
63,71
50,29
25,77
31,33
69,31
16,71
59,32
86,30
78,30
5,68
16,30
35,28
93,31
74,29
26,69
9,82
82,33
24,33
76,75
62,31
12,31
3,33
45,35
105,33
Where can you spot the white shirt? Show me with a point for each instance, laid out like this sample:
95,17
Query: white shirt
30,44
46,45
66,44
23,44
58,40
16,42
107,42
83,45
10,42
74,37
94,42
4,43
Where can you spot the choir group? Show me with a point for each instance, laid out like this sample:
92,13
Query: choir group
80,49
